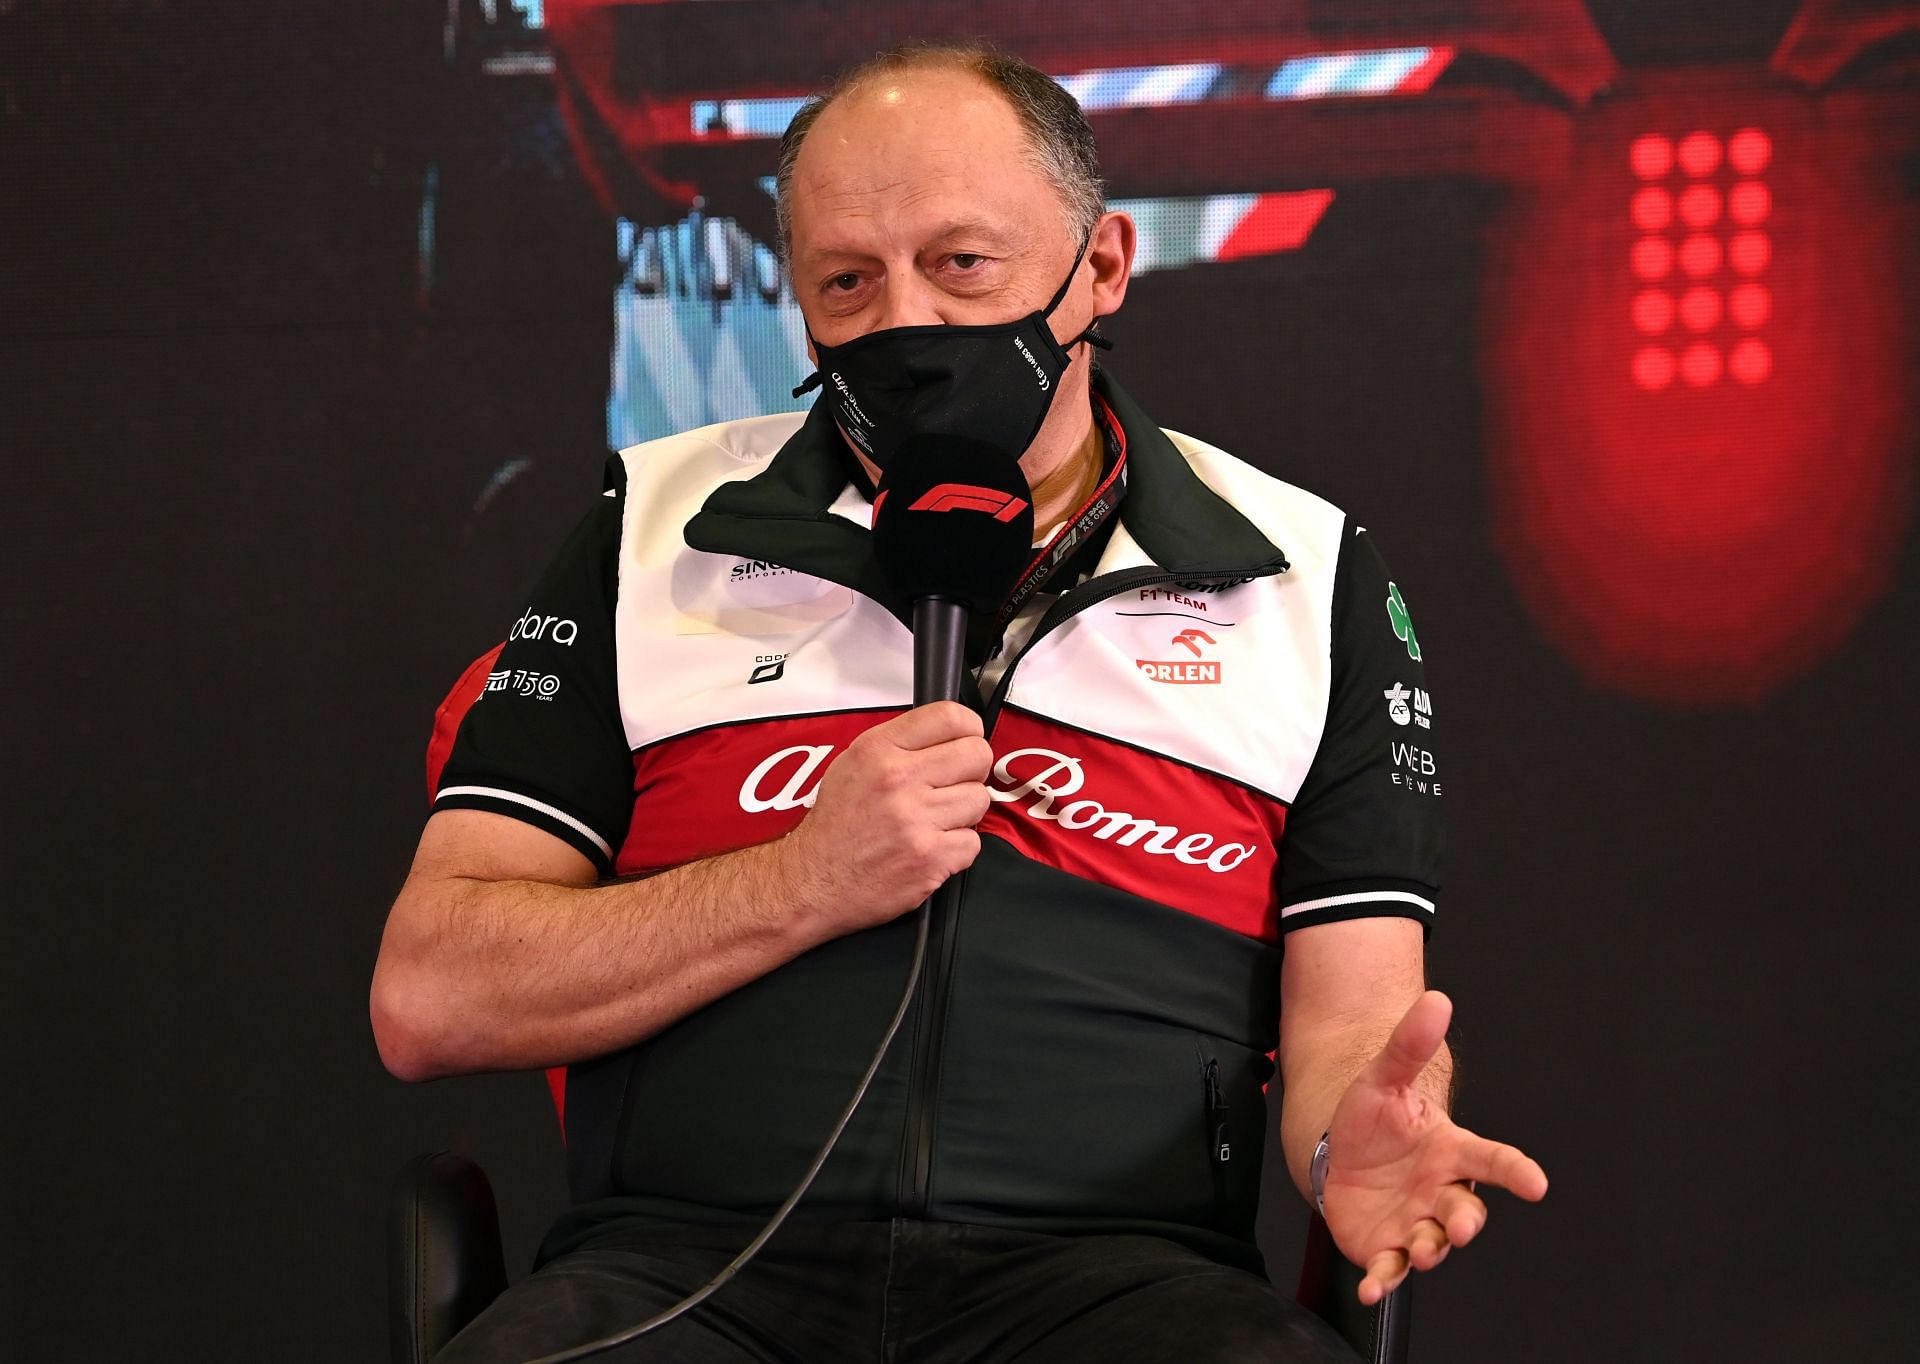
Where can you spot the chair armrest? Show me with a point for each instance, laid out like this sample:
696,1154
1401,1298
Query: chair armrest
1328,1285
444,1261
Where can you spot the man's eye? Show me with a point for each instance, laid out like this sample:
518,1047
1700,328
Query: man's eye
846,283
965,261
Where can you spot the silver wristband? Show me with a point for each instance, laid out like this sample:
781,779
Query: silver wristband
1317,1174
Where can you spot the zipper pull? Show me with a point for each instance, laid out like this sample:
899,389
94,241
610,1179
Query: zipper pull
1217,1108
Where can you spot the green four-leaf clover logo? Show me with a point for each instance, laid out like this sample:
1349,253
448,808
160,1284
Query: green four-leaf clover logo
1402,622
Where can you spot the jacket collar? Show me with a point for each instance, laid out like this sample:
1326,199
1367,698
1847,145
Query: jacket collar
782,513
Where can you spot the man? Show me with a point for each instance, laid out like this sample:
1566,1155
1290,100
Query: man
1201,744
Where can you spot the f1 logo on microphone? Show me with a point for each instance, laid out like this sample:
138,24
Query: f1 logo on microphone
946,497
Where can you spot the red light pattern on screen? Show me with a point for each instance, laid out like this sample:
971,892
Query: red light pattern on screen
1697,202
1694,372
1277,222
1653,311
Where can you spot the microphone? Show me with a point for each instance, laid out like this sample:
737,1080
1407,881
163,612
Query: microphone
952,528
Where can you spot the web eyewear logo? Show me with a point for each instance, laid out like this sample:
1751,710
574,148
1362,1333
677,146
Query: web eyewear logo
946,497
1414,770
1182,672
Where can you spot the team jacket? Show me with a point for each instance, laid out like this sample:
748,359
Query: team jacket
1219,737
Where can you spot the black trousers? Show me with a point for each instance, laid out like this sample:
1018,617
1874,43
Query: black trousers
900,1292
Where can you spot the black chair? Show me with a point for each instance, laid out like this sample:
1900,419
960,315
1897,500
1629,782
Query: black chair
444,1264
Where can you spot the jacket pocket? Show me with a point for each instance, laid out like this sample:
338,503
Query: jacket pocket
1235,1124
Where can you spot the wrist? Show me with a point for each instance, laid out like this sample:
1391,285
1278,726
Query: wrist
802,897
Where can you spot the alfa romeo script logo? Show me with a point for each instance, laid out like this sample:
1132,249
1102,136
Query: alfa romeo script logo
1037,781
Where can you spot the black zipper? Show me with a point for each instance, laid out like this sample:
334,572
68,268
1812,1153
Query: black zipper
1219,1143
923,1083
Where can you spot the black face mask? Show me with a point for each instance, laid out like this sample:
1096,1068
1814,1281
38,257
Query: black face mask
989,384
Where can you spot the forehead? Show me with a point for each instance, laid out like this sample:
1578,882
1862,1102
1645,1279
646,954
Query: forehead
909,154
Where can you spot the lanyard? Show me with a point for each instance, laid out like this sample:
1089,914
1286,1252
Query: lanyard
1080,527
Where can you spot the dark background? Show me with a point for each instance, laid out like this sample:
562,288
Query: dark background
246,551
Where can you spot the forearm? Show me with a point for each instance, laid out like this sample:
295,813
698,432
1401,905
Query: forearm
1318,1072
482,975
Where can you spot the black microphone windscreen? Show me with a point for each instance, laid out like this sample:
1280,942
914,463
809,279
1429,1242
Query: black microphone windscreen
953,518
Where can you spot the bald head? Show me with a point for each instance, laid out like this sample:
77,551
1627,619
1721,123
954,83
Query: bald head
1055,142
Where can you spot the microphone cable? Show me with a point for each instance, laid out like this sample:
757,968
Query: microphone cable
700,1295
943,567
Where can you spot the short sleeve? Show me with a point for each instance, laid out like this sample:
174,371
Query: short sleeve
544,742
1365,834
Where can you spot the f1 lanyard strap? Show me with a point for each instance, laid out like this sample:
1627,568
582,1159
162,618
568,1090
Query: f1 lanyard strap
1081,527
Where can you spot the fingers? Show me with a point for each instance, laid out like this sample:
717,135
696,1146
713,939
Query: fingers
958,807
1428,1245
1384,1274
934,723
937,745
1460,1213
1416,1037
954,761
1494,1162
958,849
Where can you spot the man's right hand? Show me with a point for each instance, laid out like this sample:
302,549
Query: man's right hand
894,817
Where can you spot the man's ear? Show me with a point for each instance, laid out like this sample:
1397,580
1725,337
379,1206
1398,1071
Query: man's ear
1110,253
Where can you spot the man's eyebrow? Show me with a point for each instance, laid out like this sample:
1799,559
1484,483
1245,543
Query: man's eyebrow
975,230
972,231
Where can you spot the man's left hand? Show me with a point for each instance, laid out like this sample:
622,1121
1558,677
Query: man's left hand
1400,1174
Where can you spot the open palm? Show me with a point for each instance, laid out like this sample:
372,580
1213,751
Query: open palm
1400,1172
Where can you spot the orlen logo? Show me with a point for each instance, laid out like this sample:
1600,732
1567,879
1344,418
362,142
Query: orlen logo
946,497
555,628
1184,671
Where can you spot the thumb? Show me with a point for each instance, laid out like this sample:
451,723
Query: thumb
1416,1037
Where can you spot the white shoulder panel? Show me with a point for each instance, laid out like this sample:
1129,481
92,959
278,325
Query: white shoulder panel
707,639
1234,681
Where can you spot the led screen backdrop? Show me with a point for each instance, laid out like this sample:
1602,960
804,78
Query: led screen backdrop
318,319
1677,216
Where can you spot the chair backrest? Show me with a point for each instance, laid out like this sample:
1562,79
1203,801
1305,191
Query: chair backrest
444,1262
1329,1287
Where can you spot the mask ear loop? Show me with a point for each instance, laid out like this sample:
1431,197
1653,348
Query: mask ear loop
813,380
1090,335
1072,270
